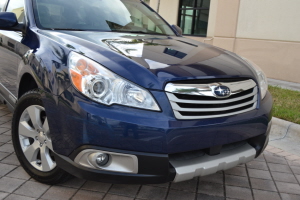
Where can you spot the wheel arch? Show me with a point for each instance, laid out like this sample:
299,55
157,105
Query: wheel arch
27,83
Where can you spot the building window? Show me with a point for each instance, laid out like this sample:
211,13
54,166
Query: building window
193,17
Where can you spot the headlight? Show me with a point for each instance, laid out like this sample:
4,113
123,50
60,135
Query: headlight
262,79
104,86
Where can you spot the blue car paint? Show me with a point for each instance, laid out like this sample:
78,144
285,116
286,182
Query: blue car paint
156,74
75,120
79,121
95,124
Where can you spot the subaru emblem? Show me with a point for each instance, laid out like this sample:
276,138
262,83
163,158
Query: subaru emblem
222,91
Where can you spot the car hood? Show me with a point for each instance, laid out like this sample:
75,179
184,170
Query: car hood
154,60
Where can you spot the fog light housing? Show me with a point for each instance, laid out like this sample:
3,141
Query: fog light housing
109,161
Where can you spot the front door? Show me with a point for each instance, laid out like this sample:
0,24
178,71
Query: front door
11,53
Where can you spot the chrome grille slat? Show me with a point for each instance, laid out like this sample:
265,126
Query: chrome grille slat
195,101
177,108
179,116
173,98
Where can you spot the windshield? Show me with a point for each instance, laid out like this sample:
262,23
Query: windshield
99,15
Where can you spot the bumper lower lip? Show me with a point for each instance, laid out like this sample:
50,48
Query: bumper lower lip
202,166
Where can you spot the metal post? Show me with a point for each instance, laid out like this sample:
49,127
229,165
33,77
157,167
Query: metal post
158,4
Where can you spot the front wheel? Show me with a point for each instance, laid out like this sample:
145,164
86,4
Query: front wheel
32,141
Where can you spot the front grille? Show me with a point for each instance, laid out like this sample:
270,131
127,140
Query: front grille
188,104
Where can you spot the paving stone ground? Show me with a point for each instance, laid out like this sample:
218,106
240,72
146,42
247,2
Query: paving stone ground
273,175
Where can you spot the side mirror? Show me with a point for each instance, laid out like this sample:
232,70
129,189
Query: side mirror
177,29
9,21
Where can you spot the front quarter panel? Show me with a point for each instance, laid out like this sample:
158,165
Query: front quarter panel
51,62
46,61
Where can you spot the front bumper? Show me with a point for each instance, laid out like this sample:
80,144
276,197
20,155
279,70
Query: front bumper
78,124
160,168
75,120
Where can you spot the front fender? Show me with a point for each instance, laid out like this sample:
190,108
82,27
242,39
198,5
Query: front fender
46,61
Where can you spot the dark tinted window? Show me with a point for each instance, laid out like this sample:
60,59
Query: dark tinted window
188,3
17,7
193,16
99,15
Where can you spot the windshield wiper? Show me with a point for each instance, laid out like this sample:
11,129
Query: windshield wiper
67,29
143,32
124,31
137,32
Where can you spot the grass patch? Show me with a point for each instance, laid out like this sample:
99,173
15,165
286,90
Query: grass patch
286,104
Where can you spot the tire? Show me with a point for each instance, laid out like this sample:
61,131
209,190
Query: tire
32,142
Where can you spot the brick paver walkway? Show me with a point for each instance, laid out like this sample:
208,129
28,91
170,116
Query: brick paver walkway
274,175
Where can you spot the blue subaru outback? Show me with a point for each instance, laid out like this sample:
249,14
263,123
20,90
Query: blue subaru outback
107,90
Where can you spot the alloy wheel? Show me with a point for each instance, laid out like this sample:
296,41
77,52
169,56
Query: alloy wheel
35,140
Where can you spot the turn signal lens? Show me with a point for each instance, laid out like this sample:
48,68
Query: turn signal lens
76,79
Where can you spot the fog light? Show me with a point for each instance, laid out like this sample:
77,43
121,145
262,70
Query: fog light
102,159
98,160
109,161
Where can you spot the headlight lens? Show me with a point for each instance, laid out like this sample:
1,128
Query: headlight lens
262,79
104,86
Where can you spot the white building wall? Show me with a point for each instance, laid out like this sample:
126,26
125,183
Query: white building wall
269,20
168,9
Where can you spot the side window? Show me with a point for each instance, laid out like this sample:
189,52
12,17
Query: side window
2,3
17,7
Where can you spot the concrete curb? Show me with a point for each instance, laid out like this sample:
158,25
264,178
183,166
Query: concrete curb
282,129
284,84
